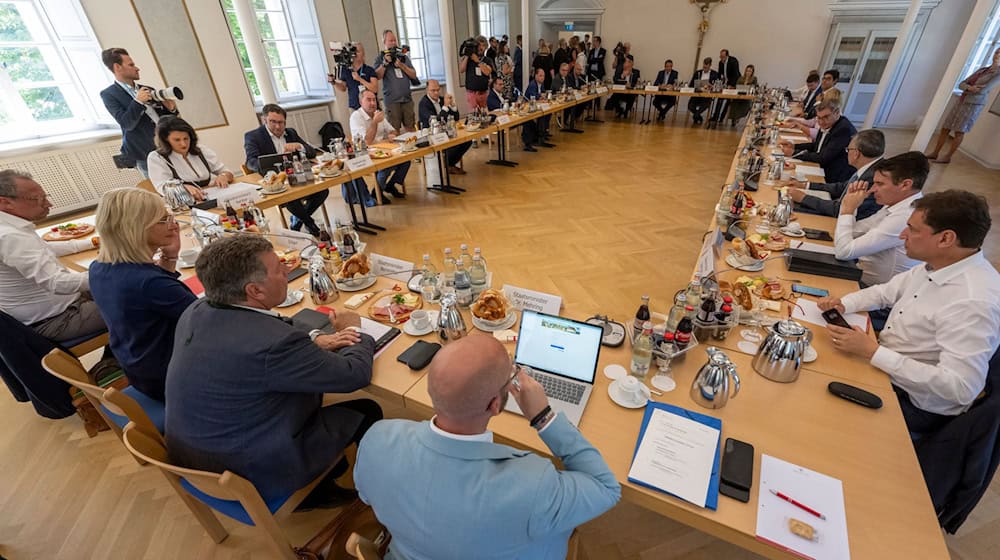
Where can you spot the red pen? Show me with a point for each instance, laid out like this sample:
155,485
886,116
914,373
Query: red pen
798,504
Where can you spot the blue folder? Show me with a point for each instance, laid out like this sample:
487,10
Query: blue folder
712,499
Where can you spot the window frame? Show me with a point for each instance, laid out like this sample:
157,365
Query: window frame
982,53
80,97
489,5
422,64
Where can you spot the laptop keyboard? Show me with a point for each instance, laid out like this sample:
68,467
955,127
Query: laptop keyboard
558,388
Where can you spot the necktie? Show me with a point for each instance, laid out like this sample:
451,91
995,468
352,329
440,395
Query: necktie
822,138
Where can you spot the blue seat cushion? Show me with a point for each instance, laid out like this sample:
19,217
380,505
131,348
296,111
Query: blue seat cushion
81,339
153,408
232,508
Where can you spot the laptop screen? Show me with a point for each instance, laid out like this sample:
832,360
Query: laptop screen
558,345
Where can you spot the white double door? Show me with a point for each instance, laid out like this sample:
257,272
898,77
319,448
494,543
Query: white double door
860,52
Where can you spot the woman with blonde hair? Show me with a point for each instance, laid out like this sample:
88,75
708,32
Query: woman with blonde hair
135,284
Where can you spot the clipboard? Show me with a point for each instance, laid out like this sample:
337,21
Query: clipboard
712,497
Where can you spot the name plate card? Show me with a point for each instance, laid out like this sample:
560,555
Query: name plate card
728,91
687,90
618,87
439,138
393,268
602,90
577,95
544,106
522,298
235,194
652,88
359,163
503,119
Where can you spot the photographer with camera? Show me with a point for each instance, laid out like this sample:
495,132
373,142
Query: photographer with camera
134,107
477,74
393,67
622,51
355,75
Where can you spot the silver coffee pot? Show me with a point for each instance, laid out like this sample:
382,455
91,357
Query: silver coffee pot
710,388
451,325
781,214
322,289
177,196
780,356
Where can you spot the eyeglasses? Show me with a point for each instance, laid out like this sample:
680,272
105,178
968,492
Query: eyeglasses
35,199
269,121
825,117
848,149
169,220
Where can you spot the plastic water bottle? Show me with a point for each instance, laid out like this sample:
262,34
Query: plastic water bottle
428,281
642,351
477,276
449,268
463,284
464,255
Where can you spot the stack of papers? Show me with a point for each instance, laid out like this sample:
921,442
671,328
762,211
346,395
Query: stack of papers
678,453
818,492
808,311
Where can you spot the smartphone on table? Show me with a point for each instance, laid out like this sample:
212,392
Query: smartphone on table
809,290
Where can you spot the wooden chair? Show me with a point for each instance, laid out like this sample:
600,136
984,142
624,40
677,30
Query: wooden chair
117,408
147,185
360,547
88,345
228,493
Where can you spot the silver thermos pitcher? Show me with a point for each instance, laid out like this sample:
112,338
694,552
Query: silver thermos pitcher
710,388
780,356
451,325
322,290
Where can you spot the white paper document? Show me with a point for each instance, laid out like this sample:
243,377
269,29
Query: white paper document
794,139
807,310
816,491
814,247
375,330
819,194
676,455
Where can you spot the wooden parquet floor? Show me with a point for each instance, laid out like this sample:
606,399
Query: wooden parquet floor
605,217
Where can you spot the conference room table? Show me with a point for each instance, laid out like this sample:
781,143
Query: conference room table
648,93
889,513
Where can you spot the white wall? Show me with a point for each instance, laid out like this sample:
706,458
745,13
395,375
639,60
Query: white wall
662,29
934,51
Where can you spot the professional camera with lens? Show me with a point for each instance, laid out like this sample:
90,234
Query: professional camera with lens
165,94
469,47
396,53
343,53
619,49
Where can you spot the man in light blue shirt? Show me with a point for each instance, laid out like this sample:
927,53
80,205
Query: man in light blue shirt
446,491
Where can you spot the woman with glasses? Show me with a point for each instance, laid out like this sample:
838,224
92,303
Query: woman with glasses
178,157
135,284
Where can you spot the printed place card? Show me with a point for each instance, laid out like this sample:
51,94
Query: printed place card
522,298
359,163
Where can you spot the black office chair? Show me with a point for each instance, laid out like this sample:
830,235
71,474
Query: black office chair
21,352
959,459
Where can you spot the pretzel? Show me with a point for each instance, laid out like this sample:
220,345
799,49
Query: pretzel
491,305
354,267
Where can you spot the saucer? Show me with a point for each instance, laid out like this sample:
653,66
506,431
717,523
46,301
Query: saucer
747,347
355,285
664,383
279,191
293,297
731,261
410,329
614,372
792,233
809,355
620,398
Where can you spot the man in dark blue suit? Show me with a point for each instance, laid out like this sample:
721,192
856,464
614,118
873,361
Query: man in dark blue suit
536,132
273,137
829,149
494,99
664,78
698,105
865,150
432,106
245,388
729,72
133,108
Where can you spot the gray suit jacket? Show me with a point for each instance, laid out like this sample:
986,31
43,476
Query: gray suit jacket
244,393
816,205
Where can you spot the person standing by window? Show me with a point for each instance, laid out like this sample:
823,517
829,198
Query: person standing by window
397,75
975,93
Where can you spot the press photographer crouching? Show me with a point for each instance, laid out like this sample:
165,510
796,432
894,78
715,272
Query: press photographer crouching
136,108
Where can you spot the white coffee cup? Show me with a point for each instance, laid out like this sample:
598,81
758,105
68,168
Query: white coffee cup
420,320
188,256
793,227
631,387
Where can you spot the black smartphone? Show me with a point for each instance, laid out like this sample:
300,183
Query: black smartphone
817,234
736,477
834,317
809,290
297,273
419,354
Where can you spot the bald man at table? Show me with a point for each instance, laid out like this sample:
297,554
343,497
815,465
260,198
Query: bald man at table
444,489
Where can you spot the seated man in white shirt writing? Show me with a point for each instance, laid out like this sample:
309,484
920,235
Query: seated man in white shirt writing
875,240
35,288
945,321
370,122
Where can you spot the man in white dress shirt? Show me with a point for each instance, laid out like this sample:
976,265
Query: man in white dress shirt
35,288
369,122
945,321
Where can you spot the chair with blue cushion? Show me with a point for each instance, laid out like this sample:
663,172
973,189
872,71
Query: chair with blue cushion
116,407
226,493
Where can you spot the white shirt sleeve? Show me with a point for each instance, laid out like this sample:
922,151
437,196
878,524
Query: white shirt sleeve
70,246
960,374
159,171
878,238
30,256
358,124
879,296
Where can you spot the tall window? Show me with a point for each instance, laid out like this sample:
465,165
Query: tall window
296,63
493,18
418,25
986,45
50,70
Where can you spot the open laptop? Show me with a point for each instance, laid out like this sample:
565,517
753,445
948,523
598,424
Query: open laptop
268,161
562,354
